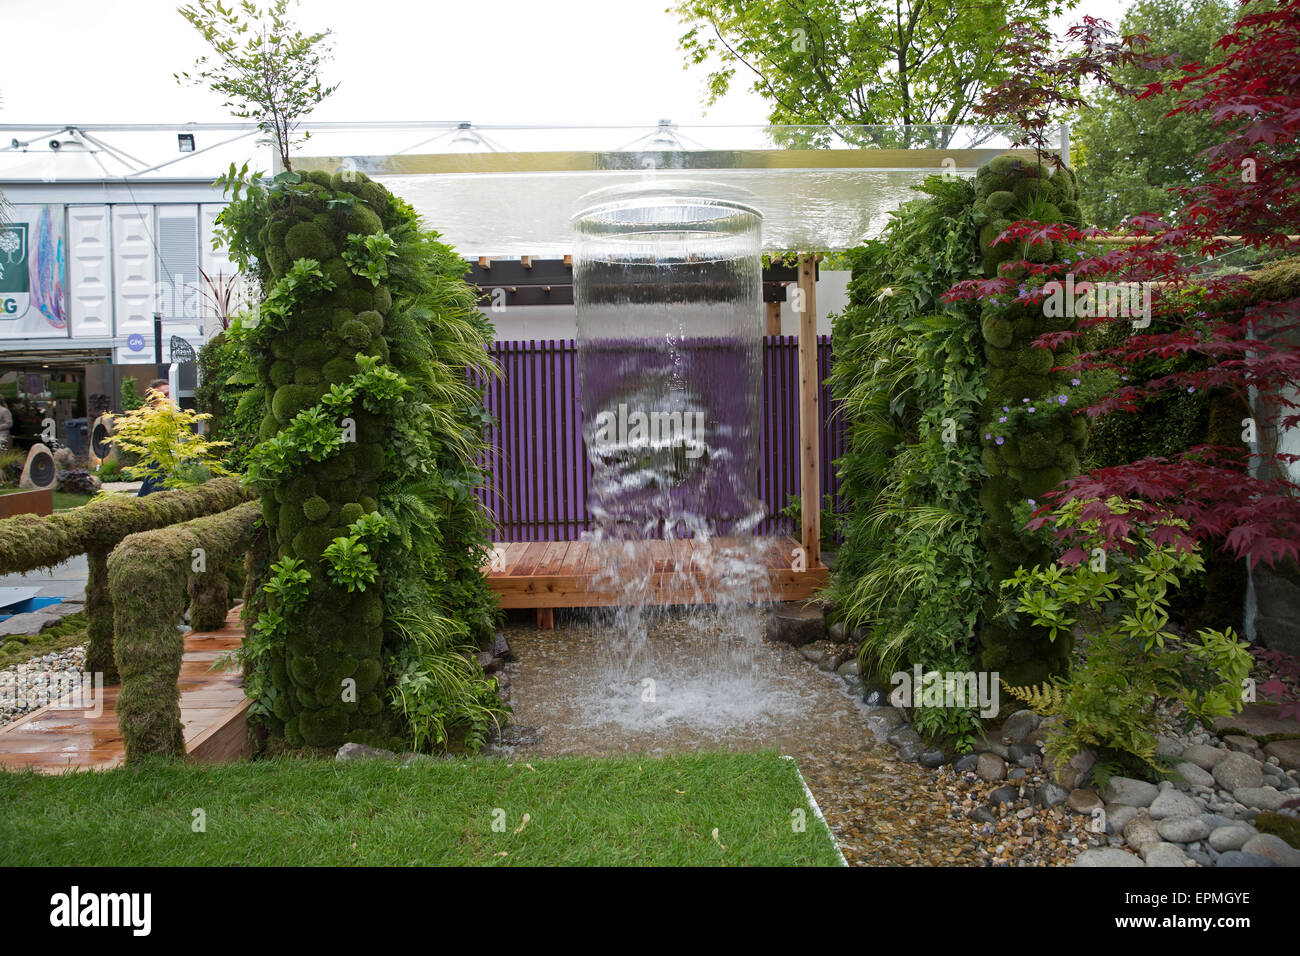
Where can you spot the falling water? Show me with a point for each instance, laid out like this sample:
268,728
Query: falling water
668,289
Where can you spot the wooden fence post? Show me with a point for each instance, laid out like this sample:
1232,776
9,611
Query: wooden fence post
810,422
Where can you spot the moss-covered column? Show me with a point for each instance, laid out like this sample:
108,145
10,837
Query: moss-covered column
328,670
1031,442
99,615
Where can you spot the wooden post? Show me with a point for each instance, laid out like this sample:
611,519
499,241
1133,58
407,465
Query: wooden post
774,318
810,427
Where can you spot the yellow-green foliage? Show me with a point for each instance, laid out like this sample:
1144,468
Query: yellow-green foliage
1044,698
151,578
30,542
162,434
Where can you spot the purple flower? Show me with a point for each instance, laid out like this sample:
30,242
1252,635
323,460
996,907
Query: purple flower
1190,389
1032,409
1074,381
1005,409
1003,419
1032,502
987,436
999,439
1025,400
1062,399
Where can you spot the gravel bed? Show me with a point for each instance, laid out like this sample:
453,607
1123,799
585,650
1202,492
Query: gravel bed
16,680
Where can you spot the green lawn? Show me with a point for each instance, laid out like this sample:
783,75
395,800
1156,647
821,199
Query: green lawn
62,500
614,811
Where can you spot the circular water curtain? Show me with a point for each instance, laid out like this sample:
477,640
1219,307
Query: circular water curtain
668,289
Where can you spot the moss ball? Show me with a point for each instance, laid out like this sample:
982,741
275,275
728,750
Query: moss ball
373,194
311,353
998,331
383,299
1039,252
368,504
337,271
337,467
315,508
269,428
305,241
281,372
1035,362
355,333
338,370
350,512
369,461
310,543
367,674
289,400
323,728
306,375
363,221
1001,201
373,321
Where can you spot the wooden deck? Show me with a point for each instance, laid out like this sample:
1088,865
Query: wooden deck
546,575
214,715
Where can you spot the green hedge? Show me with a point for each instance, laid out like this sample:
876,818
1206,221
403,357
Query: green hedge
31,542
151,579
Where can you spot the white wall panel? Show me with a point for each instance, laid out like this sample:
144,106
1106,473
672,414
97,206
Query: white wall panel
90,272
133,272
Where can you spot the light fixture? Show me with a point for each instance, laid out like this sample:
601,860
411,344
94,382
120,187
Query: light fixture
185,142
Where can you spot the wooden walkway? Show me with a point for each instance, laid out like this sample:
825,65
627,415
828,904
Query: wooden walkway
214,715
550,574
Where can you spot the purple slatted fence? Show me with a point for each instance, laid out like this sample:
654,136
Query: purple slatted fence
537,462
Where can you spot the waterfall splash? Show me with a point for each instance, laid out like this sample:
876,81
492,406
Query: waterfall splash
668,290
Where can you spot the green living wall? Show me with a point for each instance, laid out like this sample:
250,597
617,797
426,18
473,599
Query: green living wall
1031,438
365,463
909,370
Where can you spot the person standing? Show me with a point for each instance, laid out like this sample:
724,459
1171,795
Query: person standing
6,424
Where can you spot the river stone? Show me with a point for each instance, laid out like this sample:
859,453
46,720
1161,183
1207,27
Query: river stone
875,694
1228,838
836,632
1274,848
1241,743
501,647
991,767
1050,795
1238,858
351,751
904,735
1140,832
884,720
1129,792
1083,801
933,759
1076,772
848,668
1107,856
1194,774
1005,795
1164,854
795,623
1287,752
1174,803
812,653
983,815
1238,770
966,763
1204,756
1183,829
1019,725
1118,816
1261,798
1168,748
1017,774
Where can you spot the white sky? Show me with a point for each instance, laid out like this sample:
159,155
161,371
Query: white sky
531,62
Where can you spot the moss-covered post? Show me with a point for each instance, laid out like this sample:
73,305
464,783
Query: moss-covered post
329,669
1044,446
99,615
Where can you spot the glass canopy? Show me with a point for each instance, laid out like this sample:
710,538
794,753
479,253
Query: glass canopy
511,191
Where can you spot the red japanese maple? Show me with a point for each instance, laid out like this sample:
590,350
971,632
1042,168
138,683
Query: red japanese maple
1252,192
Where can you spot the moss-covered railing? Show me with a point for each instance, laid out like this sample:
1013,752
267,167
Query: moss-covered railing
31,542
152,576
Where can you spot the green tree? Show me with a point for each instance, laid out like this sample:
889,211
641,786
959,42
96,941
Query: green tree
266,68
1127,151
897,63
